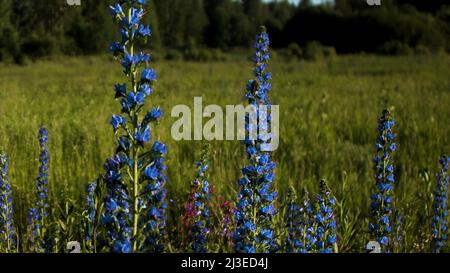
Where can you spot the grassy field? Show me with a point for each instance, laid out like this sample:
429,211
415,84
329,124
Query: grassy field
328,108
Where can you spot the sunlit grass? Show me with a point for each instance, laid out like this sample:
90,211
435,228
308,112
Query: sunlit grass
328,108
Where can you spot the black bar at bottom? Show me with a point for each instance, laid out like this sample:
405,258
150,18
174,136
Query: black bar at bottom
169,263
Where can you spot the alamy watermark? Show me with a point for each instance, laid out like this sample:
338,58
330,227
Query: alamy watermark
74,247
73,2
373,2
255,123
373,247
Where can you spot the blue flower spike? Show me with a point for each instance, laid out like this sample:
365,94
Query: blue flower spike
439,225
200,226
134,179
325,223
8,240
40,238
255,202
380,226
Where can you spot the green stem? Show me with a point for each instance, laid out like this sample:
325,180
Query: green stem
255,217
135,200
42,229
135,156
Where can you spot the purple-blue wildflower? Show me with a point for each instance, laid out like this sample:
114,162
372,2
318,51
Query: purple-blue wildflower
200,223
382,199
299,222
116,218
90,215
154,201
325,224
7,233
40,239
255,209
144,31
440,209
117,121
148,75
134,178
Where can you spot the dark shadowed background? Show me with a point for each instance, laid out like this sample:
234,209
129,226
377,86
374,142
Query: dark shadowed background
189,29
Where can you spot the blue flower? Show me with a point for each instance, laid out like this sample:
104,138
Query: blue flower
382,200
154,222
251,150
136,16
116,9
129,61
269,209
142,135
143,57
121,90
298,223
197,215
117,48
134,99
325,225
244,181
159,148
39,214
116,217
250,226
134,177
249,249
122,247
255,186
144,31
7,229
151,172
393,147
111,205
124,143
251,84
267,233
440,210
90,214
154,115
117,121
146,89
148,75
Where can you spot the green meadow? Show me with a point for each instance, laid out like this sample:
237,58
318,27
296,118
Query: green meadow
328,118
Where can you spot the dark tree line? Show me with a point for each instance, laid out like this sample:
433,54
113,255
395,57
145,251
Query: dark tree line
37,28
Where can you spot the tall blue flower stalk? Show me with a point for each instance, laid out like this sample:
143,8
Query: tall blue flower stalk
255,205
38,215
134,177
299,220
7,232
200,223
90,214
325,223
380,226
440,209
116,218
154,220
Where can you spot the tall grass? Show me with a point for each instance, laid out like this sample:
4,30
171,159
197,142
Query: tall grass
328,125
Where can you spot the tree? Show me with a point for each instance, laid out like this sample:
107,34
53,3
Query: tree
91,26
9,44
196,20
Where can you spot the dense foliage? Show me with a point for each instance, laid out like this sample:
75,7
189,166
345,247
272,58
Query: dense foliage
34,29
